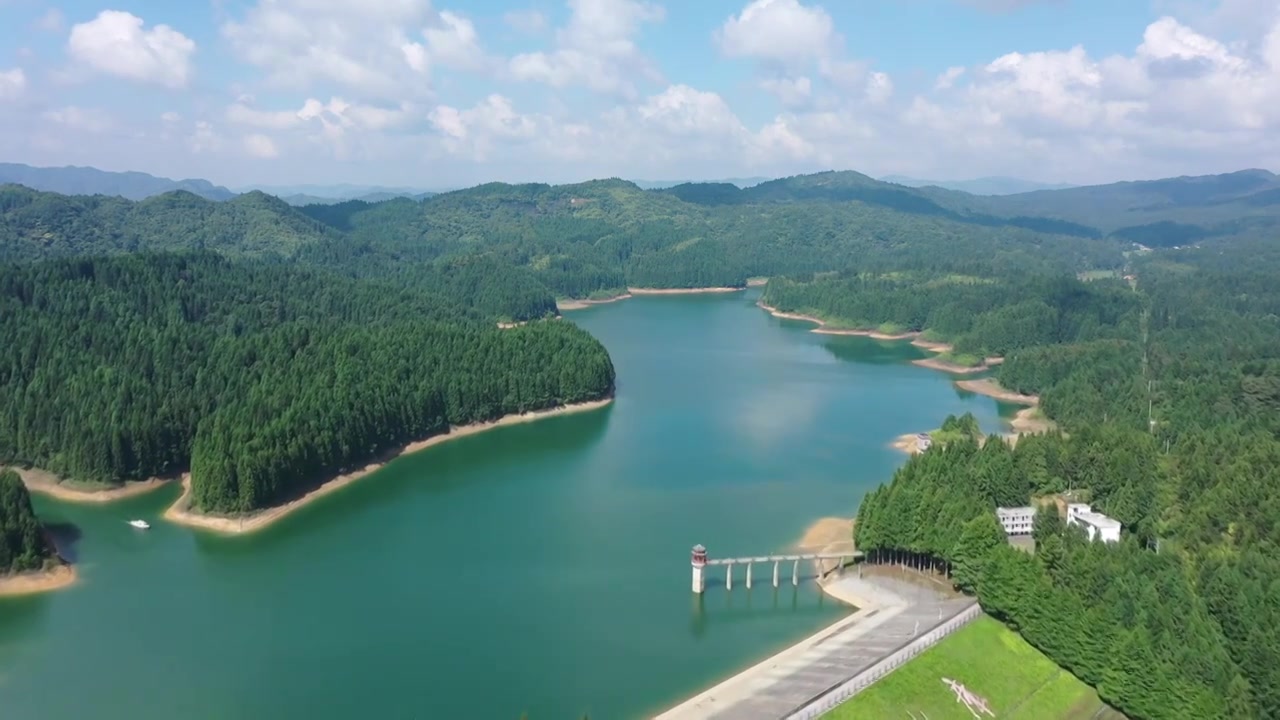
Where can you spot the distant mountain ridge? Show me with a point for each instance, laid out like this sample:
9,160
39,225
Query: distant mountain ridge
1166,212
301,200
132,185
994,185
664,184
73,180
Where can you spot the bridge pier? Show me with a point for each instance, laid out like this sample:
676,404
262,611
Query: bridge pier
699,562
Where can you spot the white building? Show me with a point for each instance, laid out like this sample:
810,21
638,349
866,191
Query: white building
923,442
1016,520
1097,525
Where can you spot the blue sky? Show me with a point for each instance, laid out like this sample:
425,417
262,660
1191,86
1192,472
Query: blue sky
436,93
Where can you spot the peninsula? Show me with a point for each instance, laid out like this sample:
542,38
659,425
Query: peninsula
182,513
29,562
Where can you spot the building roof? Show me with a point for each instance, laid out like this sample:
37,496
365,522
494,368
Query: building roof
1098,520
1024,510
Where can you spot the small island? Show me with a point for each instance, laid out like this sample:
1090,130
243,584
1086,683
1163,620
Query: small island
953,429
28,561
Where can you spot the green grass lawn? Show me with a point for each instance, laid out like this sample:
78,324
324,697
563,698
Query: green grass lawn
993,662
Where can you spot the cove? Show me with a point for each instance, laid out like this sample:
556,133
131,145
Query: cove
539,567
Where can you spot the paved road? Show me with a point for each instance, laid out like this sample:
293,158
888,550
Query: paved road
893,613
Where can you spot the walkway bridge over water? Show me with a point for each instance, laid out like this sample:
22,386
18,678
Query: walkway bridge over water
700,562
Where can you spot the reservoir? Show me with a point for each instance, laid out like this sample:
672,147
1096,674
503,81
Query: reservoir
539,568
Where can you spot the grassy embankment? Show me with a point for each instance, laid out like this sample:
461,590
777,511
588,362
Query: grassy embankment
993,662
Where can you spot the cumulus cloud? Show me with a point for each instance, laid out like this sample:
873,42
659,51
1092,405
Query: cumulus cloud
1180,100
596,49
260,146
784,31
791,43
374,48
476,132
334,124
948,78
451,41
879,88
13,83
530,22
78,119
115,43
790,91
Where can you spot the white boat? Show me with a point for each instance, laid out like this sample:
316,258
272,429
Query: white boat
140,524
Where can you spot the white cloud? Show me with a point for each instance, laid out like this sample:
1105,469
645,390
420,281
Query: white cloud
337,125
477,133
790,91
879,88
51,21
205,138
78,119
784,31
792,43
451,41
260,146
115,43
595,49
13,83
364,48
682,110
530,22
1180,100
948,78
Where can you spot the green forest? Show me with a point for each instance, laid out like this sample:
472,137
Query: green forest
23,545
566,241
1172,404
980,316
262,379
265,347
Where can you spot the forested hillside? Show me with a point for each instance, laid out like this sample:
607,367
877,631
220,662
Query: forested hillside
594,238
263,379
607,234
1174,431
37,225
978,316
22,542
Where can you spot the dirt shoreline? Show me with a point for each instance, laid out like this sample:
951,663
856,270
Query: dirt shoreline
1028,421
30,583
683,291
575,304
46,483
828,535
822,329
235,525
992,388
907,444
950,367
